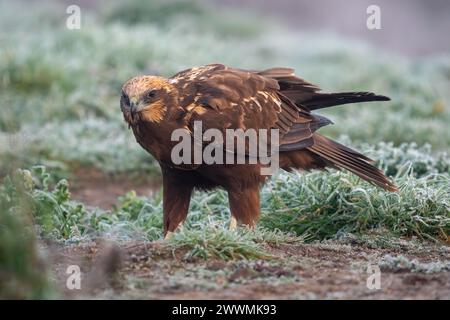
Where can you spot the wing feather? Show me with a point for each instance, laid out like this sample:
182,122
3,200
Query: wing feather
239,99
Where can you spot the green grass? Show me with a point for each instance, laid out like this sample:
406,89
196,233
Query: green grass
325,205
23,272
217,242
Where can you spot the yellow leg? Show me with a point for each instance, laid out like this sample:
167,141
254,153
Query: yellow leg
233,223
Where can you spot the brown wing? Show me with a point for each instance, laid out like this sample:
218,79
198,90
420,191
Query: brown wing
227,98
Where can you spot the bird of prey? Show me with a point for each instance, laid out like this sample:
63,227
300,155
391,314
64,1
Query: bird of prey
224,98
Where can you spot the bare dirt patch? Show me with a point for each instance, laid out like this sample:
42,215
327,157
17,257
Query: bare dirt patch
328,270
98,189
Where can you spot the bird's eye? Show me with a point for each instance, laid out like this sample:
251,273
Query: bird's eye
151,94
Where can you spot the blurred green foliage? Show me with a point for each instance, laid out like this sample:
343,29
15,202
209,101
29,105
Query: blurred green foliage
154,12
23,272
164,14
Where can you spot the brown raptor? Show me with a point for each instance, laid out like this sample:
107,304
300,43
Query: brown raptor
224,98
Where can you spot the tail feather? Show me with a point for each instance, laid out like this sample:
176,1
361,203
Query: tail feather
344,157
325,100
306,94
320,152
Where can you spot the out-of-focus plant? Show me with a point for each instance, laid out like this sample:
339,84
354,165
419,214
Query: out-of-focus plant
23,272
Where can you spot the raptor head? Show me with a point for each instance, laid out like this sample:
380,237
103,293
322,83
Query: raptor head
147,98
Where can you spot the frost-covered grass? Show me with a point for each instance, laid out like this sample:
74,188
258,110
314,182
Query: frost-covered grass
323,205
59,92
403,264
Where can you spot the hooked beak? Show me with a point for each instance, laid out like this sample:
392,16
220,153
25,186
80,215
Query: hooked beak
134,106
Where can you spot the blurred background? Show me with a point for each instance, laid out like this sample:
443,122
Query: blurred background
60,86
411,27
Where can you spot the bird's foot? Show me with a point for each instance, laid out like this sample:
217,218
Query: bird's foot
233,224
168,235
